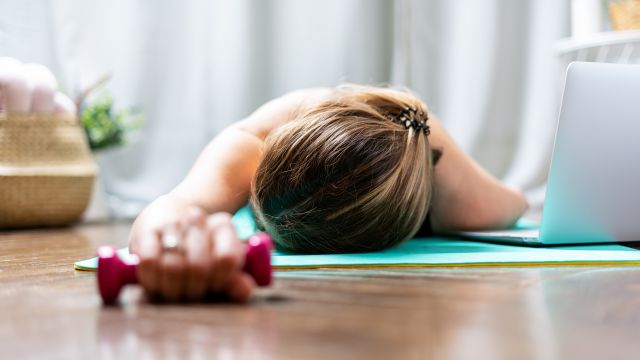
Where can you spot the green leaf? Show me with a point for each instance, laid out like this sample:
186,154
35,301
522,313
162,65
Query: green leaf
106,127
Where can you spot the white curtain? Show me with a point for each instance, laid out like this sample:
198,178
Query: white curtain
486,67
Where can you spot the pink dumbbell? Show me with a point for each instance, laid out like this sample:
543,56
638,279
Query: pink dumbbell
114,273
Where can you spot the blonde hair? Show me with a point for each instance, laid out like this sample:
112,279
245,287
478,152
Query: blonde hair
343,177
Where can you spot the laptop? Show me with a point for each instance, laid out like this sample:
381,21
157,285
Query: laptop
593,188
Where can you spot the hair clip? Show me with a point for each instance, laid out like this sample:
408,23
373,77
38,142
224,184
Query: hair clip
410,117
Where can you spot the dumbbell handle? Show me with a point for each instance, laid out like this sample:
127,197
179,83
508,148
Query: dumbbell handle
114,273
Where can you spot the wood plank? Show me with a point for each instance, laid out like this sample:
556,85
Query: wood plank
48,310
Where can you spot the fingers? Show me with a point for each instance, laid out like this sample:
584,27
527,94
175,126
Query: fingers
148,250
209,259
198,253
227,251
173,267
241,286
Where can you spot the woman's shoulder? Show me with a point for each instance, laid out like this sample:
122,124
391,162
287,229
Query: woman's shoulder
283,110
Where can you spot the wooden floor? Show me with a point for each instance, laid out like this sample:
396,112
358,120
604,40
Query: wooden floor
50,311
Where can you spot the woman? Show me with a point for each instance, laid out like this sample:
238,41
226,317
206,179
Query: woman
325,170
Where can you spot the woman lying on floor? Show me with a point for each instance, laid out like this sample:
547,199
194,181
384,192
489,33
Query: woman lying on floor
348,169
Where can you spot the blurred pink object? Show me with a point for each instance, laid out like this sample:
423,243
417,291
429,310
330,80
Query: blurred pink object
43,85
14,86
62,104
31,88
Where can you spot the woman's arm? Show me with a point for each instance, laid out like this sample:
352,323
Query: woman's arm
220,180
465,195
218,184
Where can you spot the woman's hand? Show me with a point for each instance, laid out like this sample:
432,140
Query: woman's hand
209,258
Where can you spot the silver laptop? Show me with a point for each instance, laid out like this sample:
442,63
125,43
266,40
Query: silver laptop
593,189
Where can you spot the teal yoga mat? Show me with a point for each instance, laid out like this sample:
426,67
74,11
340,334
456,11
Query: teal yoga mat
439,252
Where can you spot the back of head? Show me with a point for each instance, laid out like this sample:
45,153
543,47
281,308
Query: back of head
344,177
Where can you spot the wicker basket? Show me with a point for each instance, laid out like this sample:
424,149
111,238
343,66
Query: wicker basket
625,14
46,170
